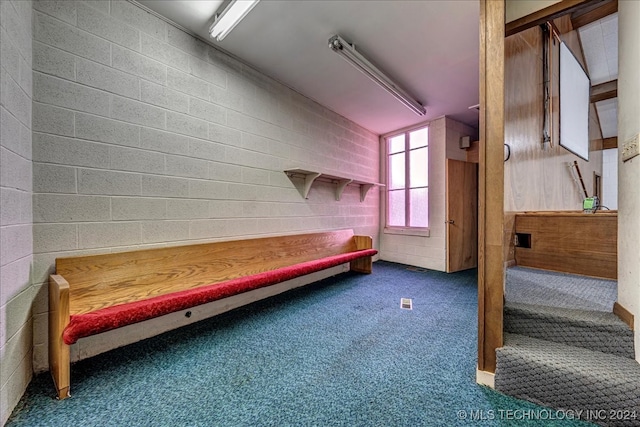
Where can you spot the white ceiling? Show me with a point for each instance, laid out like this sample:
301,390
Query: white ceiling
608,115
429,47
600,46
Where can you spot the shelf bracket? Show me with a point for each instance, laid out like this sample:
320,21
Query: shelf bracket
364,189
303,180
303,185
340,186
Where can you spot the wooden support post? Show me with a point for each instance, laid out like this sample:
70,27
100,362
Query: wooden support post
363,265
491,183
59,362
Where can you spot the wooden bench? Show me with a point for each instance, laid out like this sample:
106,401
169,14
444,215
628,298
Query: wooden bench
89,295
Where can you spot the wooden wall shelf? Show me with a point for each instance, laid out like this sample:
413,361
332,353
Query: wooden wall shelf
304,179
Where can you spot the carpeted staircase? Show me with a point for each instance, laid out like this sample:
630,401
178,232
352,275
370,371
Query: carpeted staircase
579,359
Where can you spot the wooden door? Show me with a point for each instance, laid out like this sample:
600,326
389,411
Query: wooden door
461,215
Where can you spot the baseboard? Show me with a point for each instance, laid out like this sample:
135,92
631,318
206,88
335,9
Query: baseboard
625,315
510,263
485,378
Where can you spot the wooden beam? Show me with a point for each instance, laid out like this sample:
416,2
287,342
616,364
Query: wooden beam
547,14
491,184
604,91
584,17
603,144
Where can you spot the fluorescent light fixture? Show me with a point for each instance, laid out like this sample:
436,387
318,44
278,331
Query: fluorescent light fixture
349,52
229,18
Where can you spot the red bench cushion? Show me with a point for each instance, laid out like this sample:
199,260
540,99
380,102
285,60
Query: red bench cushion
106,319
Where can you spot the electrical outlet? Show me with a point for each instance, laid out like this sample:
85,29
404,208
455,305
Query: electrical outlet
631,148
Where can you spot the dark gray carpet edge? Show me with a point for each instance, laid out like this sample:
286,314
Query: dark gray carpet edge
567,377
339,352
593,330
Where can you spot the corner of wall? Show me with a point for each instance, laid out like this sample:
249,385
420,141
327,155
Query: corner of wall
16,244
629,172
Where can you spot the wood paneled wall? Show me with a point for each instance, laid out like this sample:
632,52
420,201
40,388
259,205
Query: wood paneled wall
537,176
570,242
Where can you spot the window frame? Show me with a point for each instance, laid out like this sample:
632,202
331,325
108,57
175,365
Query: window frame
405,229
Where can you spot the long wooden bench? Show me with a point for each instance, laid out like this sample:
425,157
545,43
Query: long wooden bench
89,295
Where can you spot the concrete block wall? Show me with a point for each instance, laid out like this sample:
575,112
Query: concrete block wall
429,251
145,136
421,251
454,132
16,251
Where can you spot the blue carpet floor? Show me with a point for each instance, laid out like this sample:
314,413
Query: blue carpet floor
339,352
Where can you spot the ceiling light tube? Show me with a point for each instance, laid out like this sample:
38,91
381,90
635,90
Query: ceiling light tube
229,18
349,52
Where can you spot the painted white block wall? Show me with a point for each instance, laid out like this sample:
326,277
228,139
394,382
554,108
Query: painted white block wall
16,251
428,252
629,172
146,136
610,178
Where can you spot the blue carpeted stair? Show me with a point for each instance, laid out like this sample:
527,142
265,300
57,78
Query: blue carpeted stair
570,359
568,377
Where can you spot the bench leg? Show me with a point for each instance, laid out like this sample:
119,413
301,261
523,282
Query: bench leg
60,371
59,361
363,265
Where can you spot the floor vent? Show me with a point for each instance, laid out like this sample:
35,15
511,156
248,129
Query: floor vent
406,304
